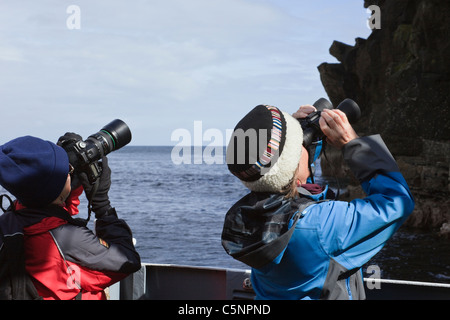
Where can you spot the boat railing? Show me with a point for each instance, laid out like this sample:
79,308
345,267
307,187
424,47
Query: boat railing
176,282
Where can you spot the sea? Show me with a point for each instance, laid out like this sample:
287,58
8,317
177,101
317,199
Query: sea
175,201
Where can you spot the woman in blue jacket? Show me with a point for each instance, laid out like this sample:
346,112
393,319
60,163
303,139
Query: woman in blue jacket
299,245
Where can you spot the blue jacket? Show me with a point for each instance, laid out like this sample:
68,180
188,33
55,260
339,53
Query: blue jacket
331,239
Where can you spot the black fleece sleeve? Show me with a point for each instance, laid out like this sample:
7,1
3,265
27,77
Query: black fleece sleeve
367,156
110,249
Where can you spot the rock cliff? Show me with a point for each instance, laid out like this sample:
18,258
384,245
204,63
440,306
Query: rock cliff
400,77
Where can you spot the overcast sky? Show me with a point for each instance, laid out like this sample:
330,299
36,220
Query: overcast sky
160,65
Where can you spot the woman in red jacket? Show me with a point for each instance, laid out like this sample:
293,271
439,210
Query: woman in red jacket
64,258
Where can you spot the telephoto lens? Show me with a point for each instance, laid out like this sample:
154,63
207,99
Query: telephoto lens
84,155
111,137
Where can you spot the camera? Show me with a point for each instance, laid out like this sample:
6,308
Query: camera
84,155
310,124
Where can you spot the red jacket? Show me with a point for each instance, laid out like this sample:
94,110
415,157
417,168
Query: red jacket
64,259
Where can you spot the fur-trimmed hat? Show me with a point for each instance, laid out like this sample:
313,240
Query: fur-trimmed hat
265,149
33,170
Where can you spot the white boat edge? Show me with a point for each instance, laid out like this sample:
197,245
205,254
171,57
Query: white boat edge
184,282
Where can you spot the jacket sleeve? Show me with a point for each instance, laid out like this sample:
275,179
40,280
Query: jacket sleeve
111,249
361,227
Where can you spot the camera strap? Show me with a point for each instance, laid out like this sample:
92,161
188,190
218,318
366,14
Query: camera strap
314,151
89,197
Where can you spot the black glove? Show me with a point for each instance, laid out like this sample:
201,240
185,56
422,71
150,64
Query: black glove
98,192
68,138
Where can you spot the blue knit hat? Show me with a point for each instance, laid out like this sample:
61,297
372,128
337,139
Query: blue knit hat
33,170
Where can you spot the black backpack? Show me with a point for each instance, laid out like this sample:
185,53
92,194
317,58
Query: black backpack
15,283
256,229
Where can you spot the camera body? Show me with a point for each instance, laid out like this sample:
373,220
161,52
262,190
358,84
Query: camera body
84,155
310,125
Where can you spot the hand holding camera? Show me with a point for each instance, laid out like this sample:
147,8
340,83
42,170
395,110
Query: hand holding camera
320,119
99,191
336,127
304,111
95,175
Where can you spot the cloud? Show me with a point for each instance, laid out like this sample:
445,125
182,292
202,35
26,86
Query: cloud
170,62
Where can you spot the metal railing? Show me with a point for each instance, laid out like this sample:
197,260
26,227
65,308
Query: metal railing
175,282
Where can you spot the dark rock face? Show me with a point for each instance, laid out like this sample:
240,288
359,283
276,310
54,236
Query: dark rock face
400,77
